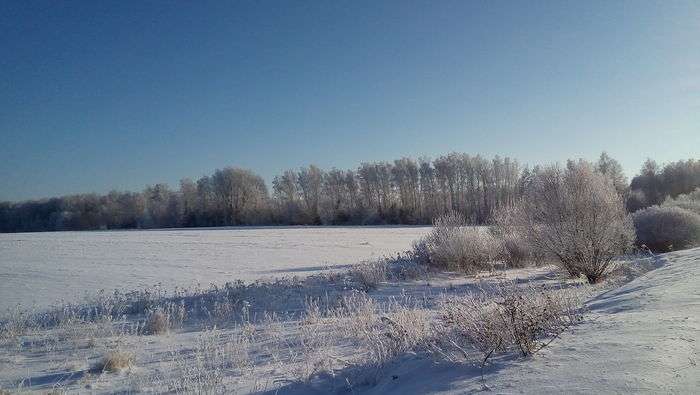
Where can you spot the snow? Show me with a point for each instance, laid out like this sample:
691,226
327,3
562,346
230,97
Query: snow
41,268
639,338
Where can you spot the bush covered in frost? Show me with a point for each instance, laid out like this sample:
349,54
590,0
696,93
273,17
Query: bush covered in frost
452,245
664,228
575,215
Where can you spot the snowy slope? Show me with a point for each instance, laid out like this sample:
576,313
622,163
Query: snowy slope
639,338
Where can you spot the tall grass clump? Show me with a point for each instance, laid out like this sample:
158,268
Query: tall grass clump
157,323
368,275
452,245
115,361
375,333
667,228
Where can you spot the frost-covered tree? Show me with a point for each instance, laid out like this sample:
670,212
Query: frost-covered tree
399,191
667,228
206,204
162,206
654,184
576,215
612,169
241,195
287,198
310,181
188,196
689,201
405,177
428,190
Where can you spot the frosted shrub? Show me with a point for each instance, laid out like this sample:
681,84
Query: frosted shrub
524,318
375,333
386,333
690,205
353,311
404,268
409,329
515,250
444,228
385,337
472,321
690,201
452,245
667,228
577,216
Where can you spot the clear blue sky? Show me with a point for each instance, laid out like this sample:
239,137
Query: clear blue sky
102,95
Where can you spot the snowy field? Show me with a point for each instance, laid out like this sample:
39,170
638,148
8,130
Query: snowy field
638,337
41,268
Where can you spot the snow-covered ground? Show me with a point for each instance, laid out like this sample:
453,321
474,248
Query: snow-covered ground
42,268
639,338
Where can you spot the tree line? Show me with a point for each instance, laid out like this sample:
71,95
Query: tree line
404,191
655,184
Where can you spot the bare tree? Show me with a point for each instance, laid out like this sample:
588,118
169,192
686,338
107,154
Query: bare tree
162,206
188,194
310,181
405,177
336,200
241,194
206,205
428,190
287,197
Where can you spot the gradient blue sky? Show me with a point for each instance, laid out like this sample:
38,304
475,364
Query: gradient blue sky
115,95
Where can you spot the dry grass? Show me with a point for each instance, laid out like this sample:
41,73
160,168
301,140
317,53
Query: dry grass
349,339
234,301
509,316
371,274
157,323
324,326
115,361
